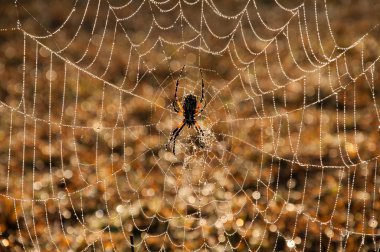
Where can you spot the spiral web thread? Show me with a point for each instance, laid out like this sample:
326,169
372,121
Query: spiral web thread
289,156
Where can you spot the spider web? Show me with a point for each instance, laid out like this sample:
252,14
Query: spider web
290,152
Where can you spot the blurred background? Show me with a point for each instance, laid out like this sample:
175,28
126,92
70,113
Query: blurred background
289,156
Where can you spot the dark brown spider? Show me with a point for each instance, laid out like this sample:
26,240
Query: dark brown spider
189,109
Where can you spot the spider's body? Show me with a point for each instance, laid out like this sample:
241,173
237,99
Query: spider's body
189,109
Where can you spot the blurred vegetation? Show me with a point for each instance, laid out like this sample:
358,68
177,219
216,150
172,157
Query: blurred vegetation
85,115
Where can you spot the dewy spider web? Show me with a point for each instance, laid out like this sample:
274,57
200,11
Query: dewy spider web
290,152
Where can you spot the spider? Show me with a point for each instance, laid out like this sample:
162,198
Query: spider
189,109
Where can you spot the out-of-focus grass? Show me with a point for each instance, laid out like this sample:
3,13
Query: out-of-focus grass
83,160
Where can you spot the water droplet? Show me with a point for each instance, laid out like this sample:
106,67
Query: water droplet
97,127
372,223
239,222
256,195
290,243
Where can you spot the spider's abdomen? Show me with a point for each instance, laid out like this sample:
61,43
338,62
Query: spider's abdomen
189,107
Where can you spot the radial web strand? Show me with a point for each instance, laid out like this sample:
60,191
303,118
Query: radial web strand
288,157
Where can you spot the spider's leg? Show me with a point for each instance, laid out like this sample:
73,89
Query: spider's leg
198,128
176,89
177,83
176,105
175,134
203,88
201,110
198,109
176,102
200,106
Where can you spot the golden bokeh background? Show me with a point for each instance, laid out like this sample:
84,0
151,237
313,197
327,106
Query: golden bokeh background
289,160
